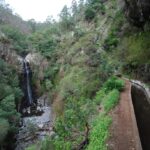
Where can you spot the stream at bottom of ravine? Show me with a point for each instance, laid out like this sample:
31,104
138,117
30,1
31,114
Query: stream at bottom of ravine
35,126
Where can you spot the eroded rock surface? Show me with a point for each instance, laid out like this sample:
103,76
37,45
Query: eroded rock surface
138,11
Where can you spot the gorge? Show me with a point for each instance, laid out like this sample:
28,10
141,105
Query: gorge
36,117
65,84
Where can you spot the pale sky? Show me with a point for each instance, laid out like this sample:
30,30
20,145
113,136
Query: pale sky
38,9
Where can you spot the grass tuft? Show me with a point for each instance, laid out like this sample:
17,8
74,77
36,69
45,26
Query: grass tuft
99,133
111,100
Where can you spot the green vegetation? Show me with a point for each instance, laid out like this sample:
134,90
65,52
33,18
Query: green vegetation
133,51
99,133
4,127
113,39
111,100
77,57
43,43
114,83
79,113
10,94
107,98
17,39
78,67
110,88
93,7
12,41
138,47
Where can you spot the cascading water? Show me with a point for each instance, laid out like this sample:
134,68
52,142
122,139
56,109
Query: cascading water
36,113
27,73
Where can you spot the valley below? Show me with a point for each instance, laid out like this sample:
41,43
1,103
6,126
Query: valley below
81,82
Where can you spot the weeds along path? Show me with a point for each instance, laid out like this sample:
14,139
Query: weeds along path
124,131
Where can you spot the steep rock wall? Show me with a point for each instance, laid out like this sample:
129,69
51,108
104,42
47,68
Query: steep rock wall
138,11
8,54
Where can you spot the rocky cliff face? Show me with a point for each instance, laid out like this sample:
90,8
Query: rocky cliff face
38,65
138,11
139,72
8,54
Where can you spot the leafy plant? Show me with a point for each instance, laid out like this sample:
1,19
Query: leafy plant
107,97
111,100
93,7
113,38
4,128
99,133
111,41
10,95
18,39
99,96
114,83
138,48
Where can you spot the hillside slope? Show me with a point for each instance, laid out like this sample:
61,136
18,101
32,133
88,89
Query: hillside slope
74,61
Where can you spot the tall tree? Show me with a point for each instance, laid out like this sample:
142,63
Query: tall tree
66,19
74,7
32,24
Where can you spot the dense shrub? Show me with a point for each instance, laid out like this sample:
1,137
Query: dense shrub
18,39
99,133
99,96
10,95
108,98
43,43
138,47
111,84
113,38
111,100
89,13
93,7
114,83
111,42
4,128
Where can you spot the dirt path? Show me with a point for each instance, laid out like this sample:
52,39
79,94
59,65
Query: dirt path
124,132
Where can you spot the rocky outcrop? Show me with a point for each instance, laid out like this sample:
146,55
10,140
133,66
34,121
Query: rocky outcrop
37,62
138,11
139,72
38,65
8,54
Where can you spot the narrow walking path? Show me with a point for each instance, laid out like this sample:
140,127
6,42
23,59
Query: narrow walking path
124,132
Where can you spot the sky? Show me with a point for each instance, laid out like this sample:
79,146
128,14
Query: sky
38,9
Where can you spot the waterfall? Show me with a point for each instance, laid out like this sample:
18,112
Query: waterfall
28,85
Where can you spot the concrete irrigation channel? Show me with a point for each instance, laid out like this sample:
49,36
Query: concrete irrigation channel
141,102
124,130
